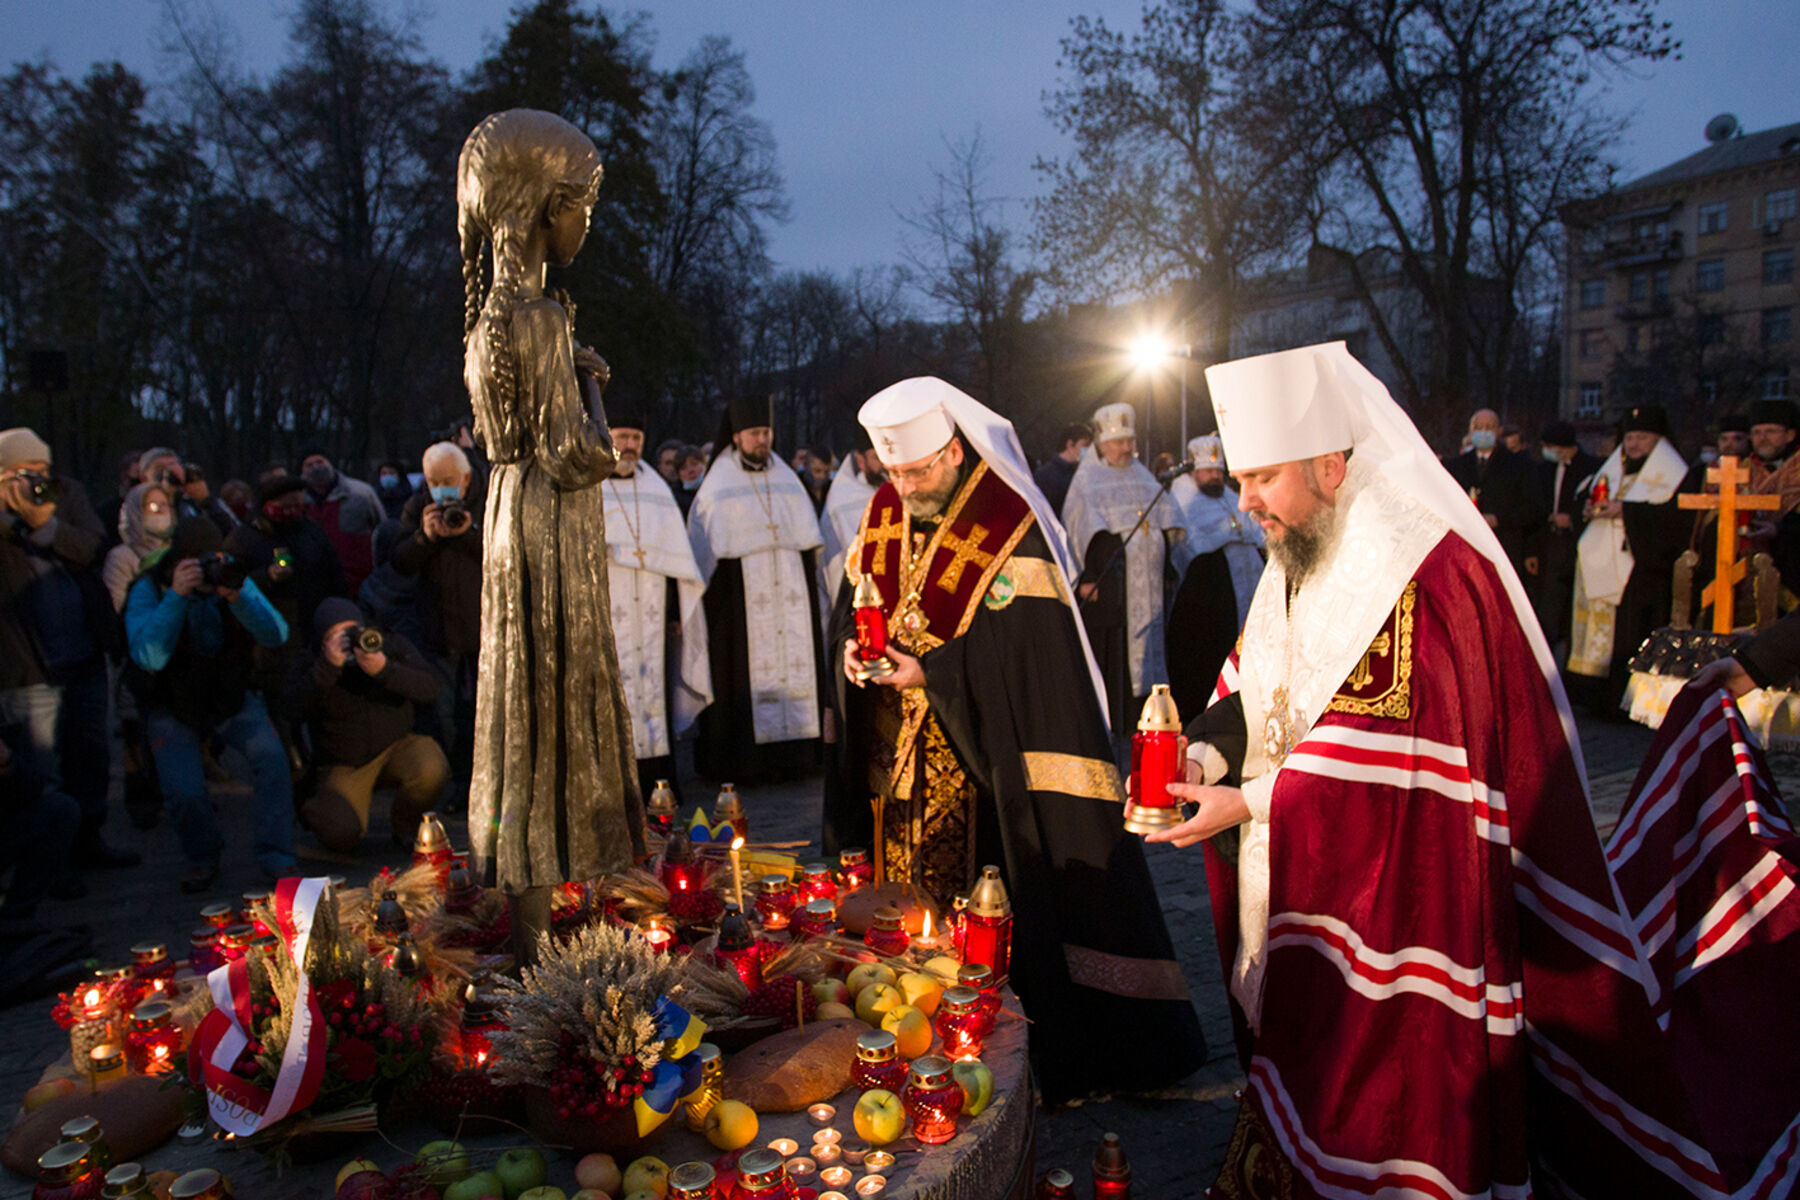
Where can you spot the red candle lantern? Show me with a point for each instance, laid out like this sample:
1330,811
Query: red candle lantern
1112,1174
737,946
854,870
480,1020
1155,764
659,930
887,932
431,847
878,1063
234,941
66,1171
871,631
816,882
203,950
390,916
247,915
1599,494
661,811
681,871
152,1041
729,806
817,919
980,976
218,916
933,1100
775,901
692,1181
987,925
762,1175
150,962
1057,1184
963,1022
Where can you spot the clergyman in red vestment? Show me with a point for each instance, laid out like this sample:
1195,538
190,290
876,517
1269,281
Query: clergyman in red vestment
1439,987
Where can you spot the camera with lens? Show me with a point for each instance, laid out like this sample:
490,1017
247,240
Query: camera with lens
223,571
367,639
455,514
39,488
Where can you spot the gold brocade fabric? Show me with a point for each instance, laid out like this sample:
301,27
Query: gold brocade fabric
1254,1168
927,836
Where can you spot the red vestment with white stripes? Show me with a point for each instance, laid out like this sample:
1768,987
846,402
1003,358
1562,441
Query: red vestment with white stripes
1453,1004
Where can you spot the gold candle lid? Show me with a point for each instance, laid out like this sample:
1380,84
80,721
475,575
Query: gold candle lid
867,595
692,1179
1159,714
930,1071
81,1129
107,1057
856,856
431,837
65,1161
662,799
989,897
760,1167
877,1045
775,881
203,1184
887,918
145,954
728,803
960,1000
151,1014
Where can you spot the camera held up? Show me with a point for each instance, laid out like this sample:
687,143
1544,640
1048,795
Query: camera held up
223,571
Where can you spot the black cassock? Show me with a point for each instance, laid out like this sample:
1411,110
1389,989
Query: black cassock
725,748
1657,534
1014,699
1203,627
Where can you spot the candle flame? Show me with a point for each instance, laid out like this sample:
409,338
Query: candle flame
926,932
737,844
160,1052
91,998
481,1058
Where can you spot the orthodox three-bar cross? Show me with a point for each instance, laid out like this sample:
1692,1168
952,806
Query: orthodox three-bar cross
1728,570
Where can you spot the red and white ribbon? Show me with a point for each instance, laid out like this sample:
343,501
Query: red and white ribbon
237,1104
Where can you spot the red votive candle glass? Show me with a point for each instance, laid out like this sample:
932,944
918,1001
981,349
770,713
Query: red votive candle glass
151,1039
775,901
878,1063
247,914
980,976
762,1175
203,950
1112,1173
661,811
431,847
150,962
480,1020
66,1171
737,946
817,919
816,882
854,870
692,1181
659,930
987,925
933,1100
887,932
871,625
1057,1184
963,1022
1155,764
218,916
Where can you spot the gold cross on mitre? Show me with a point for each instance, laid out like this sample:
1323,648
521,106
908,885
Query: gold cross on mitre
963,551
881,535
888,443
1728,571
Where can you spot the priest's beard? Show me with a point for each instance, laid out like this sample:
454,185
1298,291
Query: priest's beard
925,505
753,462
1631,466
627,465
1215,490
1305,545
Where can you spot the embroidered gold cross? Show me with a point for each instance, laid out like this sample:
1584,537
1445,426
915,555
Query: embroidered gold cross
1363,676
963,552
880,535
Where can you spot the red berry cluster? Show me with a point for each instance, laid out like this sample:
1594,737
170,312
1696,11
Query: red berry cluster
775,998
700,907
581,1087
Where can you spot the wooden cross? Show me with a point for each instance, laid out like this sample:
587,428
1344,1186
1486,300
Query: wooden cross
963,552
1364,675
1728,571
881,535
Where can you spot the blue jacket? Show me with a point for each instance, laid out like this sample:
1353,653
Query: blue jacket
154,623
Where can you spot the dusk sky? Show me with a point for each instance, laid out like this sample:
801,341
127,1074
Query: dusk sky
861,95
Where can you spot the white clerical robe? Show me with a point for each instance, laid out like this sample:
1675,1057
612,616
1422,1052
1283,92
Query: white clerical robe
1214,523
844,504
647,543
765,520
1115,499
1603,559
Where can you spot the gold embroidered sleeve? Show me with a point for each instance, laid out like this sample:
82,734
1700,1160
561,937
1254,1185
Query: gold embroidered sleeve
1033,577
1380,685
1072,775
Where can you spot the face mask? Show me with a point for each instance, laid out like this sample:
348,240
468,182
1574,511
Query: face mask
692,485
278,515
1709,456
319,478
1552,455
390,483
157,525
1482,439
445,493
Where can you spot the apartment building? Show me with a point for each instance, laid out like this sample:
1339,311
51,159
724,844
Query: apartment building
1680,285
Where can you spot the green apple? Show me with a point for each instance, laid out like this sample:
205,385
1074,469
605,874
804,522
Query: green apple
977,1085
863,975
832,991
350,1168
647,1174
520,1169
598,1173
442,1162
476,1187
546,1192
879,1117
591,1194
874,1001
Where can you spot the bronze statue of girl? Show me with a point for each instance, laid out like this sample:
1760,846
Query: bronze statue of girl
554,793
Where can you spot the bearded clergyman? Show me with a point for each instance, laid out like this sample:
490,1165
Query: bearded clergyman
756,542
655,594
987,743
1436,990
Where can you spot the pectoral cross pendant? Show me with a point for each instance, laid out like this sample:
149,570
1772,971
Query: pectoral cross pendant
639,551
1278,730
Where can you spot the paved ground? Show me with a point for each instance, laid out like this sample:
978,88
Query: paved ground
1174,1142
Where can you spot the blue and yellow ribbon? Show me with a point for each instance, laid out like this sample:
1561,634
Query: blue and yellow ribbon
677,1076
699,831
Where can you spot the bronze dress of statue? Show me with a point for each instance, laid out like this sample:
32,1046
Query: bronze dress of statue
553,794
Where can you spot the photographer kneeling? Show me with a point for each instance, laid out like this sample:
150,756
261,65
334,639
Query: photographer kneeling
191,621
358,691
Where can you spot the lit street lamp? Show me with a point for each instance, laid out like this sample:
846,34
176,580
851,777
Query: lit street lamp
1150,351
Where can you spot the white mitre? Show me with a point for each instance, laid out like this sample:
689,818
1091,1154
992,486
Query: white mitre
1112,421
1281,407
1206,451
910,420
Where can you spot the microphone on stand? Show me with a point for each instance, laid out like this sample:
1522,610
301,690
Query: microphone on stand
1176,472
